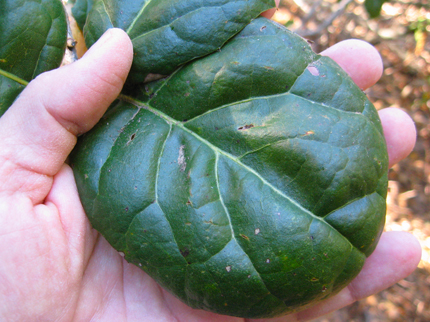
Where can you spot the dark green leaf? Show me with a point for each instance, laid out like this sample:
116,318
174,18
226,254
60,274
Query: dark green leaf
81,10
169,33
251,182
33,37
374,7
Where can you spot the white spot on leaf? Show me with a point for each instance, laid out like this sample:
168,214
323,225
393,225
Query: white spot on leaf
313,70
181,159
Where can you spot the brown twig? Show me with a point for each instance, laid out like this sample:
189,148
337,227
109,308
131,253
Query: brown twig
323,26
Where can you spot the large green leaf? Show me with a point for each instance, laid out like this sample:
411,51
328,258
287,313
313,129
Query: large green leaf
33,35
250,182
169,33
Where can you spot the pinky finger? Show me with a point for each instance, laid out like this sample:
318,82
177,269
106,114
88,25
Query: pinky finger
400,133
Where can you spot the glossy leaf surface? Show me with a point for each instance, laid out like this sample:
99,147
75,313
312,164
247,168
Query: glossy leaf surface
33,37
81,10
250,182
169,33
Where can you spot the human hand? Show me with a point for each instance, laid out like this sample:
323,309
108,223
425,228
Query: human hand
54,267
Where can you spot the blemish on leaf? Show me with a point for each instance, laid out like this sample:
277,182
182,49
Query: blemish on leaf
244,237
313,70
324,288
185,252
187,94
309,132
181,159
246,127
268,261
257,231
262,28
228,269
268,67
314,279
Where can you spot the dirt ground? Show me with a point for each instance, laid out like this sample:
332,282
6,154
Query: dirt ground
401,36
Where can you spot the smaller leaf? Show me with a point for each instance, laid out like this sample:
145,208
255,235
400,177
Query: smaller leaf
374,7
169,33
80,11
33,38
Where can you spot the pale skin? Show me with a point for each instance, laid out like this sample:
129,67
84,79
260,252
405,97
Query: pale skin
55,267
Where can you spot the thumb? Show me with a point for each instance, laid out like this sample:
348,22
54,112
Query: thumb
39,130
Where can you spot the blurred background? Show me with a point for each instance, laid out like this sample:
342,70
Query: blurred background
401,34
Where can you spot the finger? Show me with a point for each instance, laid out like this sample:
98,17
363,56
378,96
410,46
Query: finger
269,13
39,130
359,59
75,225
400,133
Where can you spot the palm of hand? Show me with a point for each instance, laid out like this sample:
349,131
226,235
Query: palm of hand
55,267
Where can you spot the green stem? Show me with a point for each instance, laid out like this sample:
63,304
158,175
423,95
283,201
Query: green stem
13,77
